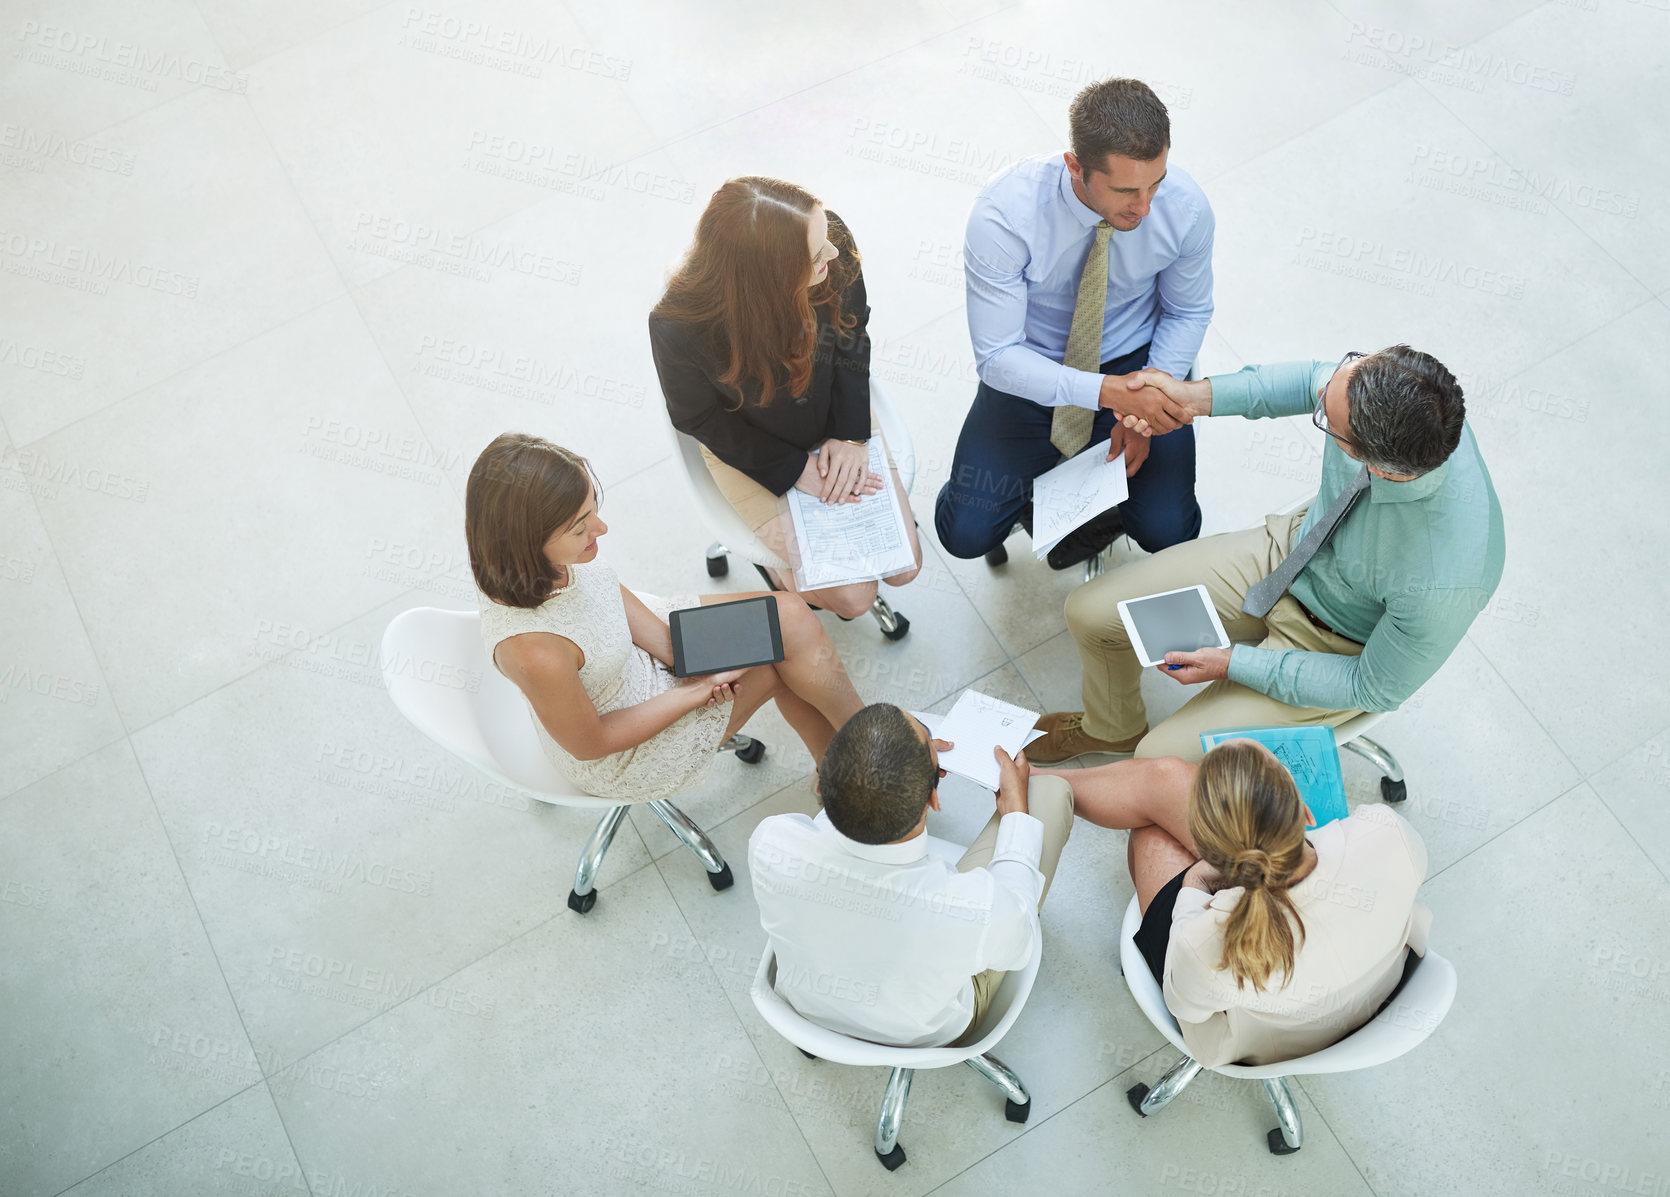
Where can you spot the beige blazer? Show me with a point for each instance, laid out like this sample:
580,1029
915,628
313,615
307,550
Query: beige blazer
1359,912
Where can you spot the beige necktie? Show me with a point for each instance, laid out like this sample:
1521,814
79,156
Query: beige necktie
1070,425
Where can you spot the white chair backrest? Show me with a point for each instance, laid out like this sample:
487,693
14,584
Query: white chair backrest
1408,1019
438,675
841,1049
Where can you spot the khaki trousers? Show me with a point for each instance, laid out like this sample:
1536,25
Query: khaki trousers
1227,565
1050,801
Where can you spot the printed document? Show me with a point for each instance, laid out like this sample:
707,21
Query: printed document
837,543
973,725
1074,493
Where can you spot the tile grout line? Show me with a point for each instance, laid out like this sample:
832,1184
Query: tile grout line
1031,1126
1333,1134
1501,157
200,1114
1583,779
736,1013
214,953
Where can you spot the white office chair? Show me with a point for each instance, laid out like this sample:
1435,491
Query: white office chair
735,536
821,1043
1413,1013
492,728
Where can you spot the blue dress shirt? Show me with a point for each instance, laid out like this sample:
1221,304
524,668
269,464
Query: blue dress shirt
1024,253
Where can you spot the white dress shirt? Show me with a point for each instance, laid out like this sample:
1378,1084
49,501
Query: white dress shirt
1028,239
881,941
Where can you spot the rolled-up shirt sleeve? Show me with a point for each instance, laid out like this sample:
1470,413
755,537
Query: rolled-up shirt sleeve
994,265
1265,392
1185,293
1411,640
1017,884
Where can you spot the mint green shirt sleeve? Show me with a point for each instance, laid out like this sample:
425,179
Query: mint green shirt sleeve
1261,392
1415,636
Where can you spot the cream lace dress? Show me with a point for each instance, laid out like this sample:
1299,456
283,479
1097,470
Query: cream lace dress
617,674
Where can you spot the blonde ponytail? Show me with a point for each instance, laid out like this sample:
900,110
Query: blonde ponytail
1247,820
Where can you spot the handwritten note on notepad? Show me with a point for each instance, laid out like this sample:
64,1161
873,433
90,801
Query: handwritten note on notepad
1074,493
974,725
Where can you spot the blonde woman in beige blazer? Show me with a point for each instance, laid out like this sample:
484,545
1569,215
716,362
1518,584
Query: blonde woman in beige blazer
1272,939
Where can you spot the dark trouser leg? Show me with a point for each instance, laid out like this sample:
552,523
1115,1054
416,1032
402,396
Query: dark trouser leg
1004,445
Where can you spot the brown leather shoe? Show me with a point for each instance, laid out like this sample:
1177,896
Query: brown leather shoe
1065,738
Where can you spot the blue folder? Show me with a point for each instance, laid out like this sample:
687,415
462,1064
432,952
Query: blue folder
1309,753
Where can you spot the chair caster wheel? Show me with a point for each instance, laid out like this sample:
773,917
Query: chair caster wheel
901,625
998,556
722,880
1278,1145
751,752
1134,1095
1015,1113
1393,791
892,1159
806,1053
718,567
580,903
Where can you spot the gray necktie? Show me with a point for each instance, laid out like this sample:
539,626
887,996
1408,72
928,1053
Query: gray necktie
1262,594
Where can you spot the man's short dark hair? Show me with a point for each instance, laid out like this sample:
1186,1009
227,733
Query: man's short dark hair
1117,116
876,775
1405,409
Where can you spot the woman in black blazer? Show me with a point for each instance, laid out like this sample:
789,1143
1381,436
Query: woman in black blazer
762,347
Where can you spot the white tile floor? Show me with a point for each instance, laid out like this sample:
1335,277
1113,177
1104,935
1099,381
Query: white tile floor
259,936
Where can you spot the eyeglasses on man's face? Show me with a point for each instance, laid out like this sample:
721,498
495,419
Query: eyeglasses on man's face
1319,417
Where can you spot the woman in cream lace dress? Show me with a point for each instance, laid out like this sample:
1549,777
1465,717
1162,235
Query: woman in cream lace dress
594,660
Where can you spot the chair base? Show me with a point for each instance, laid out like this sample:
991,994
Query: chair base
997,556
718,564
1392,787
1017,1102
584,894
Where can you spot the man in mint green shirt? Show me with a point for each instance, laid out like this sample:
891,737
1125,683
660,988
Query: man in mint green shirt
1401,548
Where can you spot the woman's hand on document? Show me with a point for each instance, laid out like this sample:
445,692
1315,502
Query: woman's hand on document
838,472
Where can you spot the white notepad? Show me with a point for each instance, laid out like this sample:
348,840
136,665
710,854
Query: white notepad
1074,493
974,725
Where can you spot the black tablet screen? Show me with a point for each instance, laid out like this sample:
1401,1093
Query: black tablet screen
725,636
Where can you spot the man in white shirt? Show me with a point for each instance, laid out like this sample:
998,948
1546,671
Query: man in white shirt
875,937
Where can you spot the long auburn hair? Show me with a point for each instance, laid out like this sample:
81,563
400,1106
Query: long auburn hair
521,489
1247,820
743,284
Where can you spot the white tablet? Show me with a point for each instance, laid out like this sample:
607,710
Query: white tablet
1177,621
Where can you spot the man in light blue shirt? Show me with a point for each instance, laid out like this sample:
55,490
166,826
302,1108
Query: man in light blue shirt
1032,233
1349,606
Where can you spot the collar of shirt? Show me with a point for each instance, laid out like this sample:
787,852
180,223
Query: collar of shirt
908,852
1080,212
1381,490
